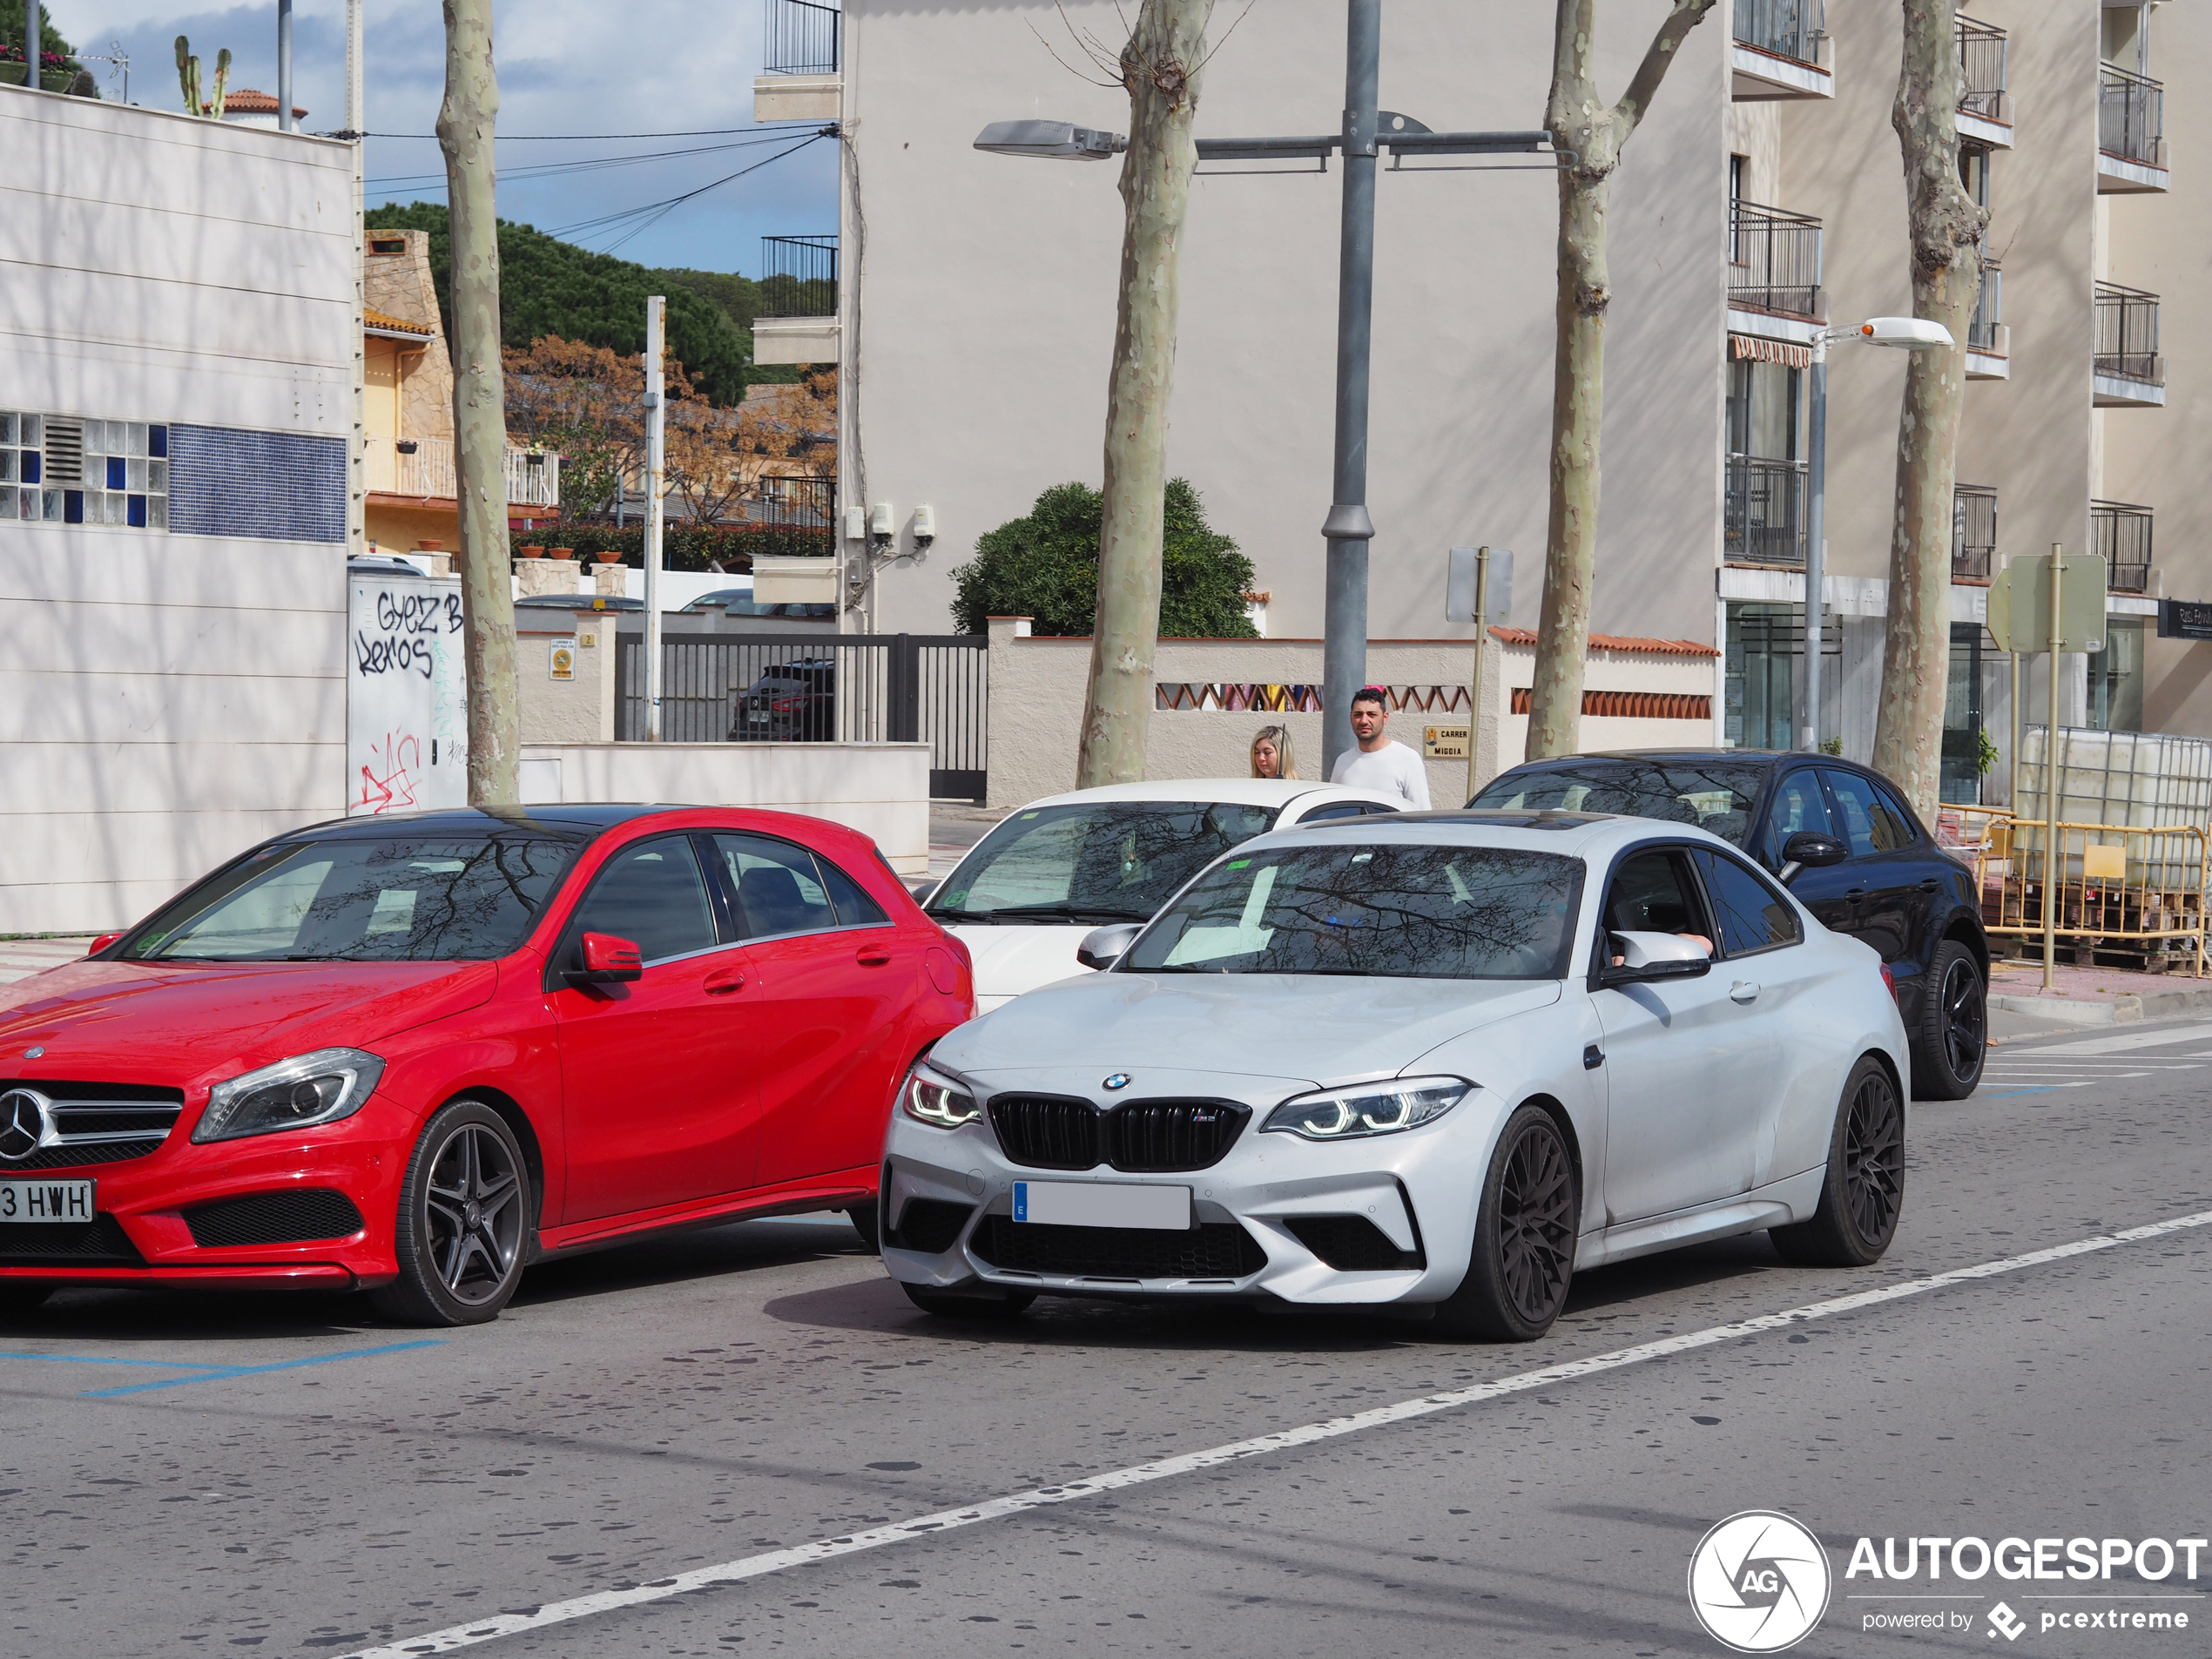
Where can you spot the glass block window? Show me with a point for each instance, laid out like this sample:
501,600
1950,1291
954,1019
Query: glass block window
22,467
125,483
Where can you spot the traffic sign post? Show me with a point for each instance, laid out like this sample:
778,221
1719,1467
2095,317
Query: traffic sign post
2055,605
1466,598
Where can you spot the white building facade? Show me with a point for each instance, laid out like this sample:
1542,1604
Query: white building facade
176,343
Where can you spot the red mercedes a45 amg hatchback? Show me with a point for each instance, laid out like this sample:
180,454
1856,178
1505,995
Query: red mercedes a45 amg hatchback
414,1054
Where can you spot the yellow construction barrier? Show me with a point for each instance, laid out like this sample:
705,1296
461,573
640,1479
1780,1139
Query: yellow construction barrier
2138,891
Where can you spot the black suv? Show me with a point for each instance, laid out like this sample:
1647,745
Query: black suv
1843,840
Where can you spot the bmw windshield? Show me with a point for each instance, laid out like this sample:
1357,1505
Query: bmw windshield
1093,861
1397,911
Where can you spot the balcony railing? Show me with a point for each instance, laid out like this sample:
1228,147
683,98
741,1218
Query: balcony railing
423,468
1974,531
1787,28
2128,334
1765,519
1989,308
795,503
799,276
1981,65
2119,535
803,38
2131,117
1774,260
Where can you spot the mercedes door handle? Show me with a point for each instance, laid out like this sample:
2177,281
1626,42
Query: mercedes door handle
723,984
1744,991
872,956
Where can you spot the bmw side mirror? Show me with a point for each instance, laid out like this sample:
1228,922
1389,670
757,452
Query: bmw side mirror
608,961
1810,850
1103,946
1647,958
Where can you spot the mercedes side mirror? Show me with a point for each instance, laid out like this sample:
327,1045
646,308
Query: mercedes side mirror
608,961
1647,958
1103,946
1810,850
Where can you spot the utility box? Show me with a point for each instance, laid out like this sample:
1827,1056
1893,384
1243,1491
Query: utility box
407,690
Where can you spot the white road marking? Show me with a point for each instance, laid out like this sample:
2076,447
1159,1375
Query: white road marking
2132,1039
823,1549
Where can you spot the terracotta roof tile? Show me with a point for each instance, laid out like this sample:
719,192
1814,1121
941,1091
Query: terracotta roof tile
1615,642
377,318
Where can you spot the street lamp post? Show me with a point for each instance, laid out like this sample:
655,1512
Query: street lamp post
1908,333
1366,132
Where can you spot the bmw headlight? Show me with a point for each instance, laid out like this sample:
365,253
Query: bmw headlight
1368,1108
938,1104
304,1092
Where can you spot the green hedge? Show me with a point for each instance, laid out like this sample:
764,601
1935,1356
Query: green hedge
686,546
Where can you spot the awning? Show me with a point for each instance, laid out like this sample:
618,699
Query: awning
1768,351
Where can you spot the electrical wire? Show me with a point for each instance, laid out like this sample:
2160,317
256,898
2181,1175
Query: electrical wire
571,138
639,219
558,169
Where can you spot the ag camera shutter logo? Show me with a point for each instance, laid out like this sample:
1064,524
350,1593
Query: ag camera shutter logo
1759,1581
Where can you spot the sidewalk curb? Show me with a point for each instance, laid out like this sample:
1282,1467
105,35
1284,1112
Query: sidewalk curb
2130,1009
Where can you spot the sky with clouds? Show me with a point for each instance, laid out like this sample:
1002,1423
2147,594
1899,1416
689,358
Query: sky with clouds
565,67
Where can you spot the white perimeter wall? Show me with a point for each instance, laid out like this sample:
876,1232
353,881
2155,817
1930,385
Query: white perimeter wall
164,700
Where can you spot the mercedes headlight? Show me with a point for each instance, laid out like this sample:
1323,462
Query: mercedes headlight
1368,1108
938,1104
304,1092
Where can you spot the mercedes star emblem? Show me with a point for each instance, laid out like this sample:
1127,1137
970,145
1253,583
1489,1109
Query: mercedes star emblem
1119,1080
23,1123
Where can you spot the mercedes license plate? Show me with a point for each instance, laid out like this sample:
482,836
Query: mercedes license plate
65,1201
1103,1203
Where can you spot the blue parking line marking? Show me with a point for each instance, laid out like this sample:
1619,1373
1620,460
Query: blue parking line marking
207,1372
226,1373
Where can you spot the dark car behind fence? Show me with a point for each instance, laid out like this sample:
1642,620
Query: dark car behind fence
819,688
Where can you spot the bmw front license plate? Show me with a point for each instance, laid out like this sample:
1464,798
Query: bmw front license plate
1103,1203
65,1201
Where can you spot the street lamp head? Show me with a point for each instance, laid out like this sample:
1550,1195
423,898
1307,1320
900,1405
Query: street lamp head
1909,334
1052,140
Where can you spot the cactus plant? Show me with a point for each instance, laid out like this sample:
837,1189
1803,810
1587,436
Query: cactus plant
188,78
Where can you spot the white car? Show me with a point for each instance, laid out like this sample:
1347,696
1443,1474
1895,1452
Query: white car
1434,1060
1025,894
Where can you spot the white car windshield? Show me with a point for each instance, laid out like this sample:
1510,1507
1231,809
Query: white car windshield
1093,861
1398,911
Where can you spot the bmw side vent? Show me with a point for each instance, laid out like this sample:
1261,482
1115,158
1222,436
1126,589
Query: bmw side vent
1352,1244
930,1225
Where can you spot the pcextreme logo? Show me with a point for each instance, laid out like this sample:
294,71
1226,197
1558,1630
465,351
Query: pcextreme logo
1759,1581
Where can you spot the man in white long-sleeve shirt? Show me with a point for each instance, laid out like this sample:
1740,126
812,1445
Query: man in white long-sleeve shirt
1380,763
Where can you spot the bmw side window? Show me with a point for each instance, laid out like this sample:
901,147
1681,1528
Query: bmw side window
1751,913
1798,805
778,888
1653,892
654,895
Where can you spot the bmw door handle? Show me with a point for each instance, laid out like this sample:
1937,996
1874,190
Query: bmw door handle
724,984
872,956
1744,991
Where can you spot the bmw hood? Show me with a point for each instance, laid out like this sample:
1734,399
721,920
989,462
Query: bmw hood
1293,1029
1012,959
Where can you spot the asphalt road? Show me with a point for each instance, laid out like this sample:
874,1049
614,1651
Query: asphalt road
194,1475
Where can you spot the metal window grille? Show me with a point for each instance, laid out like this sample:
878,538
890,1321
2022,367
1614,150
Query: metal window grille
1764,520
2131,117
2128,334
1981,65
1974,531
1774,260
1786,28
799,276
803,38
1989,310
796,503
2119,535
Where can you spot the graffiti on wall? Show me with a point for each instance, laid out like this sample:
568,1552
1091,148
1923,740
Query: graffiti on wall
405,719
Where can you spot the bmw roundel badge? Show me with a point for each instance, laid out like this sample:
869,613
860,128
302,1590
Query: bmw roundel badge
1119,1080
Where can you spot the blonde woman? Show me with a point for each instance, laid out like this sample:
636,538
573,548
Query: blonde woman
1272,756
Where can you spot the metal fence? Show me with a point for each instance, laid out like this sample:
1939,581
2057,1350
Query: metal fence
2119,535
1989,308
2131,117
795,503
799,276
1974,531
803,38
1763,520
1774,259
2128,334
1982,63
1786,28
820,688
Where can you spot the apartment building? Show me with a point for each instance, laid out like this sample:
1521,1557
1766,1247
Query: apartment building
1761,200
